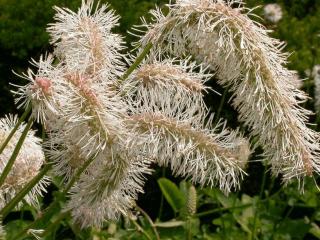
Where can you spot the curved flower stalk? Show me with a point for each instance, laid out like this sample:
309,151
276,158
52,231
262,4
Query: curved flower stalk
169,85
109,188
168,114
199,153
27,164
248,61
84,39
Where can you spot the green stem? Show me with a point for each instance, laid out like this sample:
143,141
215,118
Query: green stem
15,153
220,106
21,119
4,212
136,63
202,214
77,175
47,214
150,221
140,229
189,228
253,234
162,198
52,226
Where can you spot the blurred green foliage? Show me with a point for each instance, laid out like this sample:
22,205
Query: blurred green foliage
261,210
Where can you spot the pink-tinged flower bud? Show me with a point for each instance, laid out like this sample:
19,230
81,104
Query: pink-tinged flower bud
44,84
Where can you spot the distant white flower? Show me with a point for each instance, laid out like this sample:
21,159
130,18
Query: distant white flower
26,166
272,12
316,76
296,80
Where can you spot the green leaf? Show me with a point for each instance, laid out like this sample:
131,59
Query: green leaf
297,228
12,226
172,194
315,230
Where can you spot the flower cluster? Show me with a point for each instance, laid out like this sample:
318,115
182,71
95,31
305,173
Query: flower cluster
121,126
155,116
27,165
251,65
119,122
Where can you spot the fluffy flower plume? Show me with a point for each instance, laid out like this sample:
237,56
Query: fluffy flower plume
41,89
169,84
251,64
206,157
108,191
27,165
272,12
84,39
168,114
161,118
83,114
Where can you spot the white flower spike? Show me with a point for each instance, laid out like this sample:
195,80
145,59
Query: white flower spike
26,166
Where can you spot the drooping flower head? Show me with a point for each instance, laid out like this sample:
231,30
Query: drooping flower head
251,64
168,114
108,190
